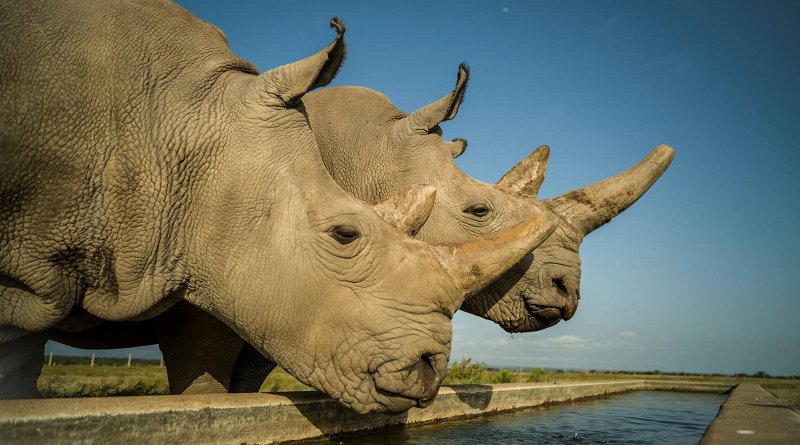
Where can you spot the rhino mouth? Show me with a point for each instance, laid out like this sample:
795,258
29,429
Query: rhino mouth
536,317
541,312
415,381
544,313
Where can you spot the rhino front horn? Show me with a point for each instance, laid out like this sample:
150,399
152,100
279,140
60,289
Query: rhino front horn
475,263
408,210
591,207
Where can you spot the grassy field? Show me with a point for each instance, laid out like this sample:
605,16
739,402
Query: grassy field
82,380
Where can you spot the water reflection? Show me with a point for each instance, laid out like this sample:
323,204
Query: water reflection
642,417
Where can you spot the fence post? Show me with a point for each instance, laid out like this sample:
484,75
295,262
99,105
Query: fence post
129,360
50,360
91,365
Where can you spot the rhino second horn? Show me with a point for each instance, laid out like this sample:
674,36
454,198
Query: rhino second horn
408,210
525,178
591,207
285,85
474,264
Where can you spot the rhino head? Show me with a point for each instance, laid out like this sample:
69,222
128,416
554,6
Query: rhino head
316,279
544,288
372,149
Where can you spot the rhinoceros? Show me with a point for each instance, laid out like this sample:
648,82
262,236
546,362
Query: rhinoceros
144,164
374,150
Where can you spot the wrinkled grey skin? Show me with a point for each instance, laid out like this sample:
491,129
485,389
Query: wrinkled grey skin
373,150
144,165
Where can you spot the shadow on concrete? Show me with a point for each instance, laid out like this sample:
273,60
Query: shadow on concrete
770,405
333,420
475,396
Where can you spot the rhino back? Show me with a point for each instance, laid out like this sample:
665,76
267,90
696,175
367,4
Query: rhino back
101,106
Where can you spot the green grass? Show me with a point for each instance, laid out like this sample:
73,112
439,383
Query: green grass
279,380
80,380
102,381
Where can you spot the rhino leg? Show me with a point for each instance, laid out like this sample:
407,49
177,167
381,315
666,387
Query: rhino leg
250,371
21,361
199,351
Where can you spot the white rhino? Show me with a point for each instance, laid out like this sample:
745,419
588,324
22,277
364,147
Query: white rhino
374,150
144,164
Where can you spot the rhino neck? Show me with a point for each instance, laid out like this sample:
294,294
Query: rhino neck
265,174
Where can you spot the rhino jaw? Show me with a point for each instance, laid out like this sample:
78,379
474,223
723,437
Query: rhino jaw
412,381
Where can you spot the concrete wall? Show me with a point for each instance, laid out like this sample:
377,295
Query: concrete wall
269,418
751,415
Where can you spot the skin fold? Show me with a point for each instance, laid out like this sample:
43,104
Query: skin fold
149,169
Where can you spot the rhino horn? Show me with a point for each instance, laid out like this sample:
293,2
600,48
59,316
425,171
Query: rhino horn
428,117
591,207
285,85
476,263
409,209
525,178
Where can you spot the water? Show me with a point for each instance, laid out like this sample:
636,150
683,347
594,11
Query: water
641,417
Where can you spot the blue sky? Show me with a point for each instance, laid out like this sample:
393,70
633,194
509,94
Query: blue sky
702,273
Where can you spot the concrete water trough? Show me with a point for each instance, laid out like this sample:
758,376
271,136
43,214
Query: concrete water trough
270,418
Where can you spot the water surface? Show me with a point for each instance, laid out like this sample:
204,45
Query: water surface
641,417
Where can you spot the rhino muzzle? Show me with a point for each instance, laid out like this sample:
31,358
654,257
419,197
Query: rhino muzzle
417,379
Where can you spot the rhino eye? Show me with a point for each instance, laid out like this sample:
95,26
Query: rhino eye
344,234
478,210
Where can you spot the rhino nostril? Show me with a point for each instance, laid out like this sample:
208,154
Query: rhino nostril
427,373
560,287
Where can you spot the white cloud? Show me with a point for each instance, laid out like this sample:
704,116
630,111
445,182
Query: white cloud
627,334
563,342
497,343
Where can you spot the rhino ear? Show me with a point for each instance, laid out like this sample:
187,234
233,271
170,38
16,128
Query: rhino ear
409,209
525,178
457,146
285,85
428,117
